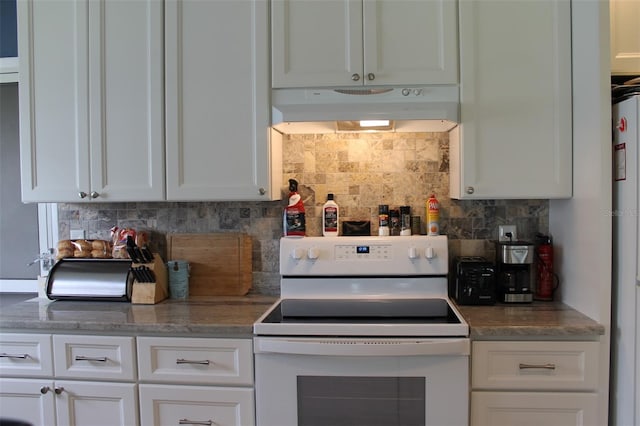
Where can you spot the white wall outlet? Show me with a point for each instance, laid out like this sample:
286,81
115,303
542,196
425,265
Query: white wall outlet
503,230
76,234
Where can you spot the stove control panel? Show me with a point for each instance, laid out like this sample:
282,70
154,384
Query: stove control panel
368,256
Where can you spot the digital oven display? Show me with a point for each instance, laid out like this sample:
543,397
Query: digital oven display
362,249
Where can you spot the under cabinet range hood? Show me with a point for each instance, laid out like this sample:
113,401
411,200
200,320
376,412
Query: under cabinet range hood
325,110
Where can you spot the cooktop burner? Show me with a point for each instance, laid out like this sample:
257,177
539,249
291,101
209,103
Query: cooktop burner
362,311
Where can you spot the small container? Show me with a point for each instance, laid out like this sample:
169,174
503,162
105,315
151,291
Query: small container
330,217
415,225
405,220
383,220
394,222
178,279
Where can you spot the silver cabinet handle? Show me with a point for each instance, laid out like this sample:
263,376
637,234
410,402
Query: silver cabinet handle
262,191
82,194
470,190
14,356
59,390
195,422
187,361
371,76
95,194
91,358
355,77
44,389
542,366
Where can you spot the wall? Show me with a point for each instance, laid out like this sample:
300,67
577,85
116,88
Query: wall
362,170
18,221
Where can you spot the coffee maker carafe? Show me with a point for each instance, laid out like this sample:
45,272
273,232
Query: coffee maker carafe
515,271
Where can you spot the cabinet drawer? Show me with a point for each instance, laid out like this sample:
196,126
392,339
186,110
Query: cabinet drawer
534,365
196,360
25,355
94,357
533,408
196,405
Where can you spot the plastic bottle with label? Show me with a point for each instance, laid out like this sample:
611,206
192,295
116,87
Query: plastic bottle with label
433,215
383,220
330,217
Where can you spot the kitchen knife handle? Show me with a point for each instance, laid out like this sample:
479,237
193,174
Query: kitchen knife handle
187,361
195,422
14,356
542,366
91,358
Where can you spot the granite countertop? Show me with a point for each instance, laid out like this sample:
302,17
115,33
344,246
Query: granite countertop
234,316
211,316
547,319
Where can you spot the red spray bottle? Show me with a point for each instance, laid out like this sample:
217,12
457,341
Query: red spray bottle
294,219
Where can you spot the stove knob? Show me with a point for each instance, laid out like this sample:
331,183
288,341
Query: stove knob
429,253
413,253
297,253
313,253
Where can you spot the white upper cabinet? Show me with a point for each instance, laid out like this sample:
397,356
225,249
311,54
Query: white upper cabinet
319,43
625,36
219,146
91,98
515,136
8,42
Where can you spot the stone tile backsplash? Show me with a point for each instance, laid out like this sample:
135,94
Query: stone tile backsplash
362,170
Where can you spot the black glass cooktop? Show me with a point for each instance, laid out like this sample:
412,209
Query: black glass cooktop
363,311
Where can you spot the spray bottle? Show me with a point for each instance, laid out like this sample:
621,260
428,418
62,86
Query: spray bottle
294,220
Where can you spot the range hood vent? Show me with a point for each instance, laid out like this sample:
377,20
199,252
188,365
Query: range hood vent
410,109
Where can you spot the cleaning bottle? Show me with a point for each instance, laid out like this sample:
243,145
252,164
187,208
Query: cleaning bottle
294,220
330,216
433,215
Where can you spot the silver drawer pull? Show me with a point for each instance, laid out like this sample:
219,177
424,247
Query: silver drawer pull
187,361
91,358
14,356
195,422
543,366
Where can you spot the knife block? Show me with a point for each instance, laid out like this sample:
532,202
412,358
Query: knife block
154,292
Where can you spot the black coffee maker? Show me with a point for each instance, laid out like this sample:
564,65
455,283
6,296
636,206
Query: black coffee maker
515,271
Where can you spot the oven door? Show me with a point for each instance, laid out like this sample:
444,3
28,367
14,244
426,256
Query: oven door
361,381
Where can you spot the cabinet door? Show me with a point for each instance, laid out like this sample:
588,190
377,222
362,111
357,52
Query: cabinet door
126,100
91,100
218,140
515,135
96,403
533,408
196,405
316,43
410,42
625,37
30,401
54,106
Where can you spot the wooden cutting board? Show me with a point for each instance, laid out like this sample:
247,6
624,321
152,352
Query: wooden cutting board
220,264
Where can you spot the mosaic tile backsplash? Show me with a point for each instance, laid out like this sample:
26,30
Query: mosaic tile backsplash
361,170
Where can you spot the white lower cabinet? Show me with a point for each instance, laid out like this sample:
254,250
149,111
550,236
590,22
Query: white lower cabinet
534,383
196,405
174,372
31,366
28,400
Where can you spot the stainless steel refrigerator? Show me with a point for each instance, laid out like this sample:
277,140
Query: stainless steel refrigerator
625,353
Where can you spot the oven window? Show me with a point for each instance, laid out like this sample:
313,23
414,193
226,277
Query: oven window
355,401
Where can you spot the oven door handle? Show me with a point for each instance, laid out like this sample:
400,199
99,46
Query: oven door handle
362,347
